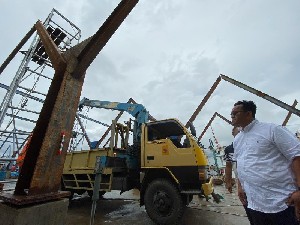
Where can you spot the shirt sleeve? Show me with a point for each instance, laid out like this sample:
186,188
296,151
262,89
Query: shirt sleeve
287,142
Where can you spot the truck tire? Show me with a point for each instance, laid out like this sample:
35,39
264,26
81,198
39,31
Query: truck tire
163,202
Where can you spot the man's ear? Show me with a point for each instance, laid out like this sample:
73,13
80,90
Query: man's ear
249,114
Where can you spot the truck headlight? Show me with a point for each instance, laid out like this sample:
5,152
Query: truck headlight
202,170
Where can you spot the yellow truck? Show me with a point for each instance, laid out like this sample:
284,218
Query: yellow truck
165,163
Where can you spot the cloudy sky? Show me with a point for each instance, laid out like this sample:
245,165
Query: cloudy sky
167,54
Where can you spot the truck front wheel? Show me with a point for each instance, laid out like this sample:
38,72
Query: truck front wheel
163,202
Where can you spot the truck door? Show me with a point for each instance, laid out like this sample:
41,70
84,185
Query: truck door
154,148
166,144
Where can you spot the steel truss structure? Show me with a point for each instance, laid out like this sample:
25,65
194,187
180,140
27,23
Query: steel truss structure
25,95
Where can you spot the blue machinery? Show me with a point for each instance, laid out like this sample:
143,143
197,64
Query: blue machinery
138,111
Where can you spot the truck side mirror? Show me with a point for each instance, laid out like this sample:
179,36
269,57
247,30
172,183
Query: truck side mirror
192,128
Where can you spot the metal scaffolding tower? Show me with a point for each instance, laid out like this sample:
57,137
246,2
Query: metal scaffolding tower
21,105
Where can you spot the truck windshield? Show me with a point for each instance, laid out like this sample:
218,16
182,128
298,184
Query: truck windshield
168,130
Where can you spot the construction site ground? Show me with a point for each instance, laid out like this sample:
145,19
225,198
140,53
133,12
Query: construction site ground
124,209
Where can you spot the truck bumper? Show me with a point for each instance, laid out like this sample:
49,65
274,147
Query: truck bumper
208,188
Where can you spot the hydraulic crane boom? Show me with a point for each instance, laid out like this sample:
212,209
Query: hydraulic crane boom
138,111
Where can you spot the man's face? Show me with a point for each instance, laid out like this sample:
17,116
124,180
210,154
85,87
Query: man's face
238,116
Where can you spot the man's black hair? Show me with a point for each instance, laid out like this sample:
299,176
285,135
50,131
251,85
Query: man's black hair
247,106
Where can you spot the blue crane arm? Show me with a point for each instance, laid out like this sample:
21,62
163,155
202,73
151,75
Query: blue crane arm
138,111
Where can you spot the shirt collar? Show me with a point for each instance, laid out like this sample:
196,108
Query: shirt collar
250,125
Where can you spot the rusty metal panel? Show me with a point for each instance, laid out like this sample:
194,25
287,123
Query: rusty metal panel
39,136
22,200
48,169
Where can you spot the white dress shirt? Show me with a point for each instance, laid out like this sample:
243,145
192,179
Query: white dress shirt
264,153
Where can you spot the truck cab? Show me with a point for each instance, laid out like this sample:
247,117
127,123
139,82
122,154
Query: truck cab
173,169
168,145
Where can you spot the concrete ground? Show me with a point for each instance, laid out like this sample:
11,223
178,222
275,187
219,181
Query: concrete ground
124,209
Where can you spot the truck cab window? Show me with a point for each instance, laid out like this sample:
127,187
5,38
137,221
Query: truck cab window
168,130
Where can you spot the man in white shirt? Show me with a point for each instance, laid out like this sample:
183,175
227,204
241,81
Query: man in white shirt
231,165
268,165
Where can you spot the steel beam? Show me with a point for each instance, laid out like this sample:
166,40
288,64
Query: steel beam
17,49
210,121
207,126
275,101
51,48
204,100
289,114
223,118
262,95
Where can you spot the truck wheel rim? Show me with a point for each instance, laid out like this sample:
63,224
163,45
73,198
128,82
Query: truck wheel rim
162,202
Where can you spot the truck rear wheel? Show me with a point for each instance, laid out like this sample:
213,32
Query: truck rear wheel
163,202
